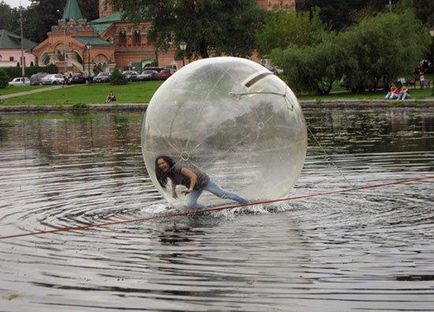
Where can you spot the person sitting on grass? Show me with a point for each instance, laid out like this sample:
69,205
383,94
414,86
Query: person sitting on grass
110,97
403,94
393,93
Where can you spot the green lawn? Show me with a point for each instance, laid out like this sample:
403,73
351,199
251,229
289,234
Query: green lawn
135,92
15,89
142,92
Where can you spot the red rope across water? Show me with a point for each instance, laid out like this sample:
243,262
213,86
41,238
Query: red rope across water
218,208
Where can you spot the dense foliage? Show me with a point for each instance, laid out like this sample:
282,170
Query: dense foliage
341,14
379,48
17,71
206,26
382,48
284,28
117,78
4,79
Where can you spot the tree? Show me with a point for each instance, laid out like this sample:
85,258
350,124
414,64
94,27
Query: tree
283,28
341,14
117,78
311,68
207,26
424,10
383,47
3,79
9,18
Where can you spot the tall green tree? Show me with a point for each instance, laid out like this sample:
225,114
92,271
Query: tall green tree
207,26
284,28
383,47
424,10
341,14
311,67
8,17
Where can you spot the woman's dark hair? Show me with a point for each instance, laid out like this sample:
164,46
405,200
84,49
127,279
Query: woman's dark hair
161,176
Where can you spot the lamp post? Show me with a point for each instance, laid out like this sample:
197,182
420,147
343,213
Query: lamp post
65,56
183,46
88,47
23,61
431,32
65,25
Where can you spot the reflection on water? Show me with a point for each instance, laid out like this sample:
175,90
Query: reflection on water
364,250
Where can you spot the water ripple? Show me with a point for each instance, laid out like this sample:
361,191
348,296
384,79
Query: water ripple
362,250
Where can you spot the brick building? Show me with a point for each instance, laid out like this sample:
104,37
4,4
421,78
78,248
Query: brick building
108,42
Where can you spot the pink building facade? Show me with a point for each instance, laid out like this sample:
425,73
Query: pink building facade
10,50
11,57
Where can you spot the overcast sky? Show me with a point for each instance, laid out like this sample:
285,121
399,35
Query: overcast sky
16,3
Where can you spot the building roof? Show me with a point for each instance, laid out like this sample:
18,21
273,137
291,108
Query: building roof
100,25
9,40
93,41
72,11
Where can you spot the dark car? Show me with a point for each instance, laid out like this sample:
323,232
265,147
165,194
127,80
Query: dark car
147,75
130,75
164,74
102,77
35,79
78,78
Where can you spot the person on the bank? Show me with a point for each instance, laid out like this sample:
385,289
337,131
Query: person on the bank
403,93
393,93
111,97
193,179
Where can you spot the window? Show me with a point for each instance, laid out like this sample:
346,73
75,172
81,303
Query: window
11,58
123,38
137,38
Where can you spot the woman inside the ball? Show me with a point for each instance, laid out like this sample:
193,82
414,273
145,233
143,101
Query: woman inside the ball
195,180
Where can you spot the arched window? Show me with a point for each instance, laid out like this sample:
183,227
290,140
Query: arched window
122,38
137,38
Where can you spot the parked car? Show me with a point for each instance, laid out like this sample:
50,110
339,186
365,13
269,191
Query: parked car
130,75
78,78
102,77
53,79
148,74
20,81
156,68
35,79
165,73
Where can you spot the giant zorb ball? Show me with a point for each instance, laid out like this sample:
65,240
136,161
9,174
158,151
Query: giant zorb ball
232,119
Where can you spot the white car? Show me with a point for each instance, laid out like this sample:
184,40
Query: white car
20,81
53,79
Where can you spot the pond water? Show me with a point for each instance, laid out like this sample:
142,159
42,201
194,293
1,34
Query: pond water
368,249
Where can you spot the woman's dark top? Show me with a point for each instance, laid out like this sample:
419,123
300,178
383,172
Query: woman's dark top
178,178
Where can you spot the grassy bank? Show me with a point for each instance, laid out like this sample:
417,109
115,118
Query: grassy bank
136,92
16,89
142,92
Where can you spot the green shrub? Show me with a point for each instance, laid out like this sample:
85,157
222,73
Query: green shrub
4,78
117,78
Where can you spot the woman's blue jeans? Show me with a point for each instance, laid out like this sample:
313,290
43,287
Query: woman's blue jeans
215,189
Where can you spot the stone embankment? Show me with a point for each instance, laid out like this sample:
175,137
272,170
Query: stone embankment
338,104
